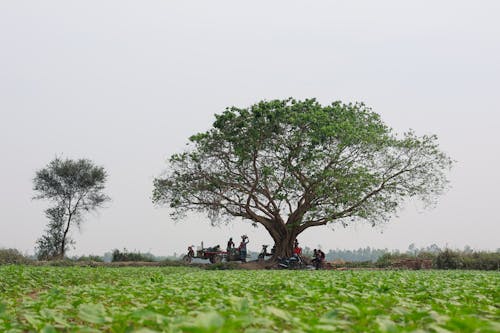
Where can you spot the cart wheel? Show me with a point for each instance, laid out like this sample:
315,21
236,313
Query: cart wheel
215,259
187,259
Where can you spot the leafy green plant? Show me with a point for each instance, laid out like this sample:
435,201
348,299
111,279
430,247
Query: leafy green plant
186,299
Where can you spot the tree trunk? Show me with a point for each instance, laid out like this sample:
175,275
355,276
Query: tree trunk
284,243
63,242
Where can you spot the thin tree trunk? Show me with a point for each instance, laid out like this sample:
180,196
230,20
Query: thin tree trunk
63,242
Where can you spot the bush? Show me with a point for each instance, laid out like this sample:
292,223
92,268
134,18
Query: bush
174,263
481,261
12,256
388,259
90,258
448,259
118,256
384,260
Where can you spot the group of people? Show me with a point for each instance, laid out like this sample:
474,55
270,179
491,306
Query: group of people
318,255
318,258
242,248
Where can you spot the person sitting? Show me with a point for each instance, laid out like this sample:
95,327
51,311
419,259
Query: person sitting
230,245
315,259
321,255
297,251
321,259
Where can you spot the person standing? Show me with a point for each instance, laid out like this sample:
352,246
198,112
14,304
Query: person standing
230,245
243,248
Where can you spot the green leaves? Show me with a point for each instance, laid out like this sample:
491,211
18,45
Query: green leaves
93,313
303,164
204,323
75,187
76,299
387,325
282,314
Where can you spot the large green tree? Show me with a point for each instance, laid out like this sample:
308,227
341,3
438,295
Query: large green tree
290,165
74,187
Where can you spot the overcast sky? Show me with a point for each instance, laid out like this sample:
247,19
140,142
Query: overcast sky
125,83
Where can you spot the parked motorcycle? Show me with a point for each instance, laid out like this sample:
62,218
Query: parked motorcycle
294,262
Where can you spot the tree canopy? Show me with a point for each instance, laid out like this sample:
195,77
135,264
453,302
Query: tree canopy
75,187
289,165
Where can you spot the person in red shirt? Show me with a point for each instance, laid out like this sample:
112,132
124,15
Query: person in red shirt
297,251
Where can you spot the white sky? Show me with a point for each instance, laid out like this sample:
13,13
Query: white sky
125,83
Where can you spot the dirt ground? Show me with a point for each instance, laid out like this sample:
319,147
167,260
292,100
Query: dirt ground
256,265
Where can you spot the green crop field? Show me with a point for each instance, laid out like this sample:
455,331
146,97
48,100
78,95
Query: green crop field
183,299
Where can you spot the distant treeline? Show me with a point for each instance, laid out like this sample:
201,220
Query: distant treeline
447,259
437,258
126,256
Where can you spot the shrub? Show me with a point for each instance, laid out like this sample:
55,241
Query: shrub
12,256
131,256
384,260
448,259
388,259
481,260
174,263
90,258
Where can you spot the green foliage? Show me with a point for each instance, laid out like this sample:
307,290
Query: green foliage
90,258
361,254
446,259
290,165
481,260
12,256
49,246
125,255
385,260
181,299
75,187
